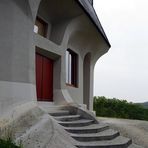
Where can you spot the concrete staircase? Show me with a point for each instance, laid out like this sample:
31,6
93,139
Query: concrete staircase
87,131
65,127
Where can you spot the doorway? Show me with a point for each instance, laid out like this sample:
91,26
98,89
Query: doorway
44,78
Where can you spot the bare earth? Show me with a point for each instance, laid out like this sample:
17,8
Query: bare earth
135,129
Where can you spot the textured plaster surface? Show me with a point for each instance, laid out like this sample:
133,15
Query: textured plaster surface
135,129
36,129
46,134
69,27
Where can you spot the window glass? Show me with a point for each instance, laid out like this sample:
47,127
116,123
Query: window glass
71,68
40,27
36,29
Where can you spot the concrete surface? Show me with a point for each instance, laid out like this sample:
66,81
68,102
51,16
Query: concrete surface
35,128
68,27
135,129
87,132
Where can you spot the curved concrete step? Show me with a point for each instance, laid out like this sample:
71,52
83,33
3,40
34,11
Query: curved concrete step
135,146
77,123
94,128
119,142
59,113
68,118
108,134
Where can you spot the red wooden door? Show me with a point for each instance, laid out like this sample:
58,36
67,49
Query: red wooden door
44,78
47,81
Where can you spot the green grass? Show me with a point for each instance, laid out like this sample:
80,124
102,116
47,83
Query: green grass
6,138
8,144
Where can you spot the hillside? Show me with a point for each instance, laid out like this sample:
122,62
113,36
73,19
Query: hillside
145,104
106,107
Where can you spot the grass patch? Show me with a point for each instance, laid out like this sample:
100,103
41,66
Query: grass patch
7,138
8,144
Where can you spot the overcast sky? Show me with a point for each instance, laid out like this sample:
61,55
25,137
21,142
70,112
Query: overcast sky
123,71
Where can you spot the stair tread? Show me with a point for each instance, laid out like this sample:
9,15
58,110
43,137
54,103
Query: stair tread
135,146
56,113
116,141
92,126
59,111
76,121
107,132
67,116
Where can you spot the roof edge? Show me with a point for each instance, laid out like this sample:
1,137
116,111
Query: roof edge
100,29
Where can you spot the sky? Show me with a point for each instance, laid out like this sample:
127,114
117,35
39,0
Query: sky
123,72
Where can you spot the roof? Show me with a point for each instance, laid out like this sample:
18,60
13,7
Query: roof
90,11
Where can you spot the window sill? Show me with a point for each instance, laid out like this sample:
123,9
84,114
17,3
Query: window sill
71,85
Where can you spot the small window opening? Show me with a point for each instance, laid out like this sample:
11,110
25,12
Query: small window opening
40,27
71,68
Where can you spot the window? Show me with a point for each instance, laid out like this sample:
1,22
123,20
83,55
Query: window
40,27
71,68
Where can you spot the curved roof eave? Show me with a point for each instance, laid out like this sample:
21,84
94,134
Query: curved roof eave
90,11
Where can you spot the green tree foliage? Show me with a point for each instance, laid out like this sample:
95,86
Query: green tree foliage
145,104
106,107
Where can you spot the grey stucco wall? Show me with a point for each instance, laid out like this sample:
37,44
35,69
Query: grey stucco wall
16,55
81,37
18,43
16,46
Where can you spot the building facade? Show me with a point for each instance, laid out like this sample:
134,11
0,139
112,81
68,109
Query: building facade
48,50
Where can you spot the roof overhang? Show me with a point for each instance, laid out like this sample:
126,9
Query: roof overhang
90,11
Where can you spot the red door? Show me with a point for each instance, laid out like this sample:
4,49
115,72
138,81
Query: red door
44,78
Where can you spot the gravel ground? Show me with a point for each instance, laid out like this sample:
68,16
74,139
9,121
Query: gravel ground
135,129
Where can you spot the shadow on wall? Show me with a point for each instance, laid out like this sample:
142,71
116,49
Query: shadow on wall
86,79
